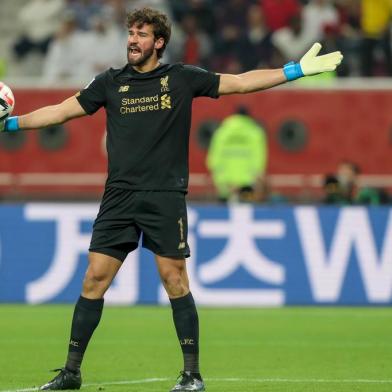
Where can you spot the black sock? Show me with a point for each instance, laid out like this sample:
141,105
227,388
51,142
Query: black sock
86,318
186,322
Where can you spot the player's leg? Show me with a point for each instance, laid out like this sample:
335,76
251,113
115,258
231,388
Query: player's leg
174,278
114,236
162,216
101,270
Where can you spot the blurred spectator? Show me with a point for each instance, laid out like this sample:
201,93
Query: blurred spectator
92,51
196,45
116,10
375,23
230,36
278,13
255,47
104,47
203,10
39,20
333,193
331,42
317,16
231,22
347,175
348,178
232,14
349,12
65,52
84,10
341,188
373,196
237,156
292,41
350,36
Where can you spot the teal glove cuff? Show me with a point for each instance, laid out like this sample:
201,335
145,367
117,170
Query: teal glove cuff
293,71
11,124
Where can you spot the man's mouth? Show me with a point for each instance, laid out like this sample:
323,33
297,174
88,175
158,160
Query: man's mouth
134,50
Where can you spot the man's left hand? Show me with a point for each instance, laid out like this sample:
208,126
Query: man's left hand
311,64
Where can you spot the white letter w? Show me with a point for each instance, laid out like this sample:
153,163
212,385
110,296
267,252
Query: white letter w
352,233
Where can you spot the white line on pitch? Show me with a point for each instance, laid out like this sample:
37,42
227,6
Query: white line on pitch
20,390
126,382
304,380
246,380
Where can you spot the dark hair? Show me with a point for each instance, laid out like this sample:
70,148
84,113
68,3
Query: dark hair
159,21
242,109
330,179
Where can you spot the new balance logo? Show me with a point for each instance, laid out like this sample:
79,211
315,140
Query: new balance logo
165,101
181,245
123,89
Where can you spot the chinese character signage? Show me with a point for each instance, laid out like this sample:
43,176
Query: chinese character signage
242,255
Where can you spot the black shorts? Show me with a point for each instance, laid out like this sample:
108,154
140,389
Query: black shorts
159,216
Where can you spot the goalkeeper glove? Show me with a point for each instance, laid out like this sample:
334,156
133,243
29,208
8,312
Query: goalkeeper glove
311,64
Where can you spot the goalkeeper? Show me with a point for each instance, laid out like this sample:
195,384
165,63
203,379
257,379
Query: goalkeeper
148,108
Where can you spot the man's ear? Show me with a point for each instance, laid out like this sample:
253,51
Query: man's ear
159,43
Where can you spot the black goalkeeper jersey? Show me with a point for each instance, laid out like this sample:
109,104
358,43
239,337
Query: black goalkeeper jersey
148,119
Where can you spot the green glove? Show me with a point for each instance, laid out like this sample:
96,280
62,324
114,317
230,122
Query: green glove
311,64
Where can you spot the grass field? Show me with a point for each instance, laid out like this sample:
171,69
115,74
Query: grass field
135,349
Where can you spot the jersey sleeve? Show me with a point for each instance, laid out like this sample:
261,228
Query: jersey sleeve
202,83
93,96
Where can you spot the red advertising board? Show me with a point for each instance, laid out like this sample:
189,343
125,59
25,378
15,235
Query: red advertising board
339,125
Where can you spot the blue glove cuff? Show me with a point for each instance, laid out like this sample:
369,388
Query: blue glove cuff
293,71
11,124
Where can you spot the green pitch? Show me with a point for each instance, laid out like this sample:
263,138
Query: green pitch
135,349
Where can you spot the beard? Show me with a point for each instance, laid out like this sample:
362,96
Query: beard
142,59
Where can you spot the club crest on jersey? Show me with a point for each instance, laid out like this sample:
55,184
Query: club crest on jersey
165,84
123,89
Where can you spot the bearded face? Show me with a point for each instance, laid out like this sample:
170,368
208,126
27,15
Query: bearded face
138,56
141,46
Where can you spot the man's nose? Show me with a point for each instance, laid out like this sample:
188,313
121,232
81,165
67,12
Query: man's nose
132,39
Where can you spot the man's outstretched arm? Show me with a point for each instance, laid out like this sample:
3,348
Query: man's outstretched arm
257,80
44,117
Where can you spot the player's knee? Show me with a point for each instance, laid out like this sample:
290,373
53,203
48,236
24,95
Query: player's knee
95,282
174,284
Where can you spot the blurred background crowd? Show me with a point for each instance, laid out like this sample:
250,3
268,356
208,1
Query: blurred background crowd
58,44
51,37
